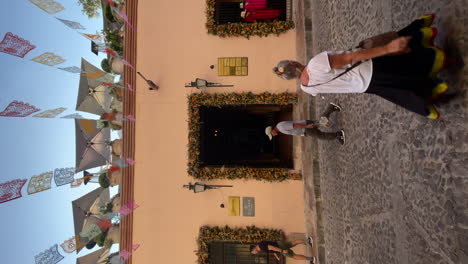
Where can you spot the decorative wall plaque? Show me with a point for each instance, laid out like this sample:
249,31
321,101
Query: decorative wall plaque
248,206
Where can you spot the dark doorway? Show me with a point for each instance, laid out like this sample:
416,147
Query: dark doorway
234,136
237,253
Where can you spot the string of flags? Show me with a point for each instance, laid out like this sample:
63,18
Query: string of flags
90,232
12,190
21,109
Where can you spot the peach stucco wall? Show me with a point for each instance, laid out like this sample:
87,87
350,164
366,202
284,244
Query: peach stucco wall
174,48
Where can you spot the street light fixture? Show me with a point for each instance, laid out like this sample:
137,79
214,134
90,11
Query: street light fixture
199,187
202,83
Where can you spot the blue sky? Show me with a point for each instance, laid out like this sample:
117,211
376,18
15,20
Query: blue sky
30,146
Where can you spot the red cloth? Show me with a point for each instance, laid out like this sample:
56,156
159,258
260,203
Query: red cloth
252,5
262,15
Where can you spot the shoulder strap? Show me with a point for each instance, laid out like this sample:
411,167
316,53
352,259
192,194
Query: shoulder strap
336,77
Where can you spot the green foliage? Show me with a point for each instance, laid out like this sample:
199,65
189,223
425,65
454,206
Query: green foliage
104,181
105,66
108,14
100,239
90,7
211,173
114,40
247,235
261,29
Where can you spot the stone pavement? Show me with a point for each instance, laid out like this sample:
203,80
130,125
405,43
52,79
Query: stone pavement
397,192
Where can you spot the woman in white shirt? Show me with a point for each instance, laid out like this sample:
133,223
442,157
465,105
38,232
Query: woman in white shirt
402,71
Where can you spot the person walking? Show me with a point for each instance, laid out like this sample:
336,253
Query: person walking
403,71
308,127
282,248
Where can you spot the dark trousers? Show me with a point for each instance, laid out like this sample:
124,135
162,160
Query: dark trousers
315,132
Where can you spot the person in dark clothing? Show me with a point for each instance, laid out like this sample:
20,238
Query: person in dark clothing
281,247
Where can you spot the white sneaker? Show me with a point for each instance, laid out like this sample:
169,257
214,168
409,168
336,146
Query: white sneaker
342,137
336,107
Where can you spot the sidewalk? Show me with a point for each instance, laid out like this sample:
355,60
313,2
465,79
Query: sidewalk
397,191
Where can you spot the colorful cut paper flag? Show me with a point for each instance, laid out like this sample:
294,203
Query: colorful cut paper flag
125,254
121,163
130,118
125,18
50,113
15,45
76,183
49,58
128,64
11,190
79,243
111,52
128,208
93,37
130,161
19,109
113,84
71,24
73,116
49,6
40,182
89,126
93,75
72,69
105,224
69,246
64,176
110,2
90,231
49,256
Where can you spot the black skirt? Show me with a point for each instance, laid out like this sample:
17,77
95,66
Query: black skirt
409,80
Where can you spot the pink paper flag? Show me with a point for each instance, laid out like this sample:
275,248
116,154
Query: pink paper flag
125,254
19,109
110,2
128,64
135,247
130,161
11,190
130,88
130,117
125,17
15,45
128,208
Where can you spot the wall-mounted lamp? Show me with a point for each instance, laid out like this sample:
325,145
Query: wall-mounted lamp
152,85
201,83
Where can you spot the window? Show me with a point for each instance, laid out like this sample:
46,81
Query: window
237,253
234,11
233,66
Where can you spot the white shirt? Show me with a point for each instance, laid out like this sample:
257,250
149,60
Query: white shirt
320,72
287,127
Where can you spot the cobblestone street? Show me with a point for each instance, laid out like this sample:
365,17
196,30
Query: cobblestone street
397,192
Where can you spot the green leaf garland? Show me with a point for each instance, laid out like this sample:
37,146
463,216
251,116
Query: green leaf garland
248,235
261,29
210,173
